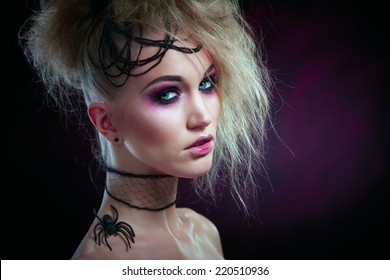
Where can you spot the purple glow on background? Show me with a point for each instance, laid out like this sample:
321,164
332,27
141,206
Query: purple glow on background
326,122
327,169
329,194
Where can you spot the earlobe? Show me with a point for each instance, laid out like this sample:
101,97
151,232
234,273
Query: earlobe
99,115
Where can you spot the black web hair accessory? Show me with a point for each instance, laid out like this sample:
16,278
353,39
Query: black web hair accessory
108,226
116,47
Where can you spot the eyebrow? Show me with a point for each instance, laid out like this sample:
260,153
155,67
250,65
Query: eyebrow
209,70
176,78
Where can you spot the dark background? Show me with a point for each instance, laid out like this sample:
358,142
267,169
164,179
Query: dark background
327,160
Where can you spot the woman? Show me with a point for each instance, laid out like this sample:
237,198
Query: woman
174,89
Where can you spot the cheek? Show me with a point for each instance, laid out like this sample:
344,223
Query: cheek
214,106
150,125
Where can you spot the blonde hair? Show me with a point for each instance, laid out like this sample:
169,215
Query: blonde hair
55,42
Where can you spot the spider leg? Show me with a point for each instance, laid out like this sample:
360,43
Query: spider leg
128,229
94,231
116,214
94,212
100,237
127,226
126,235
105,239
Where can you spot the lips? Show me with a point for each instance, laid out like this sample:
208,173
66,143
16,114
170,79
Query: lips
202,146
201,141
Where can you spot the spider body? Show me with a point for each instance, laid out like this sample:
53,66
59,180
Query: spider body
108,226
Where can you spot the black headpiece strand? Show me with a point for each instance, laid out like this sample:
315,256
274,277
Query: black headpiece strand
115,60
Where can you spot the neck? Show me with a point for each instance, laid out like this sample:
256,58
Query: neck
147,193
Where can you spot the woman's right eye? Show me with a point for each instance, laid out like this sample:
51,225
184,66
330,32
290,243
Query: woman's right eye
167,96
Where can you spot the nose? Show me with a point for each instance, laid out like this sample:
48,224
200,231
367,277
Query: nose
199,115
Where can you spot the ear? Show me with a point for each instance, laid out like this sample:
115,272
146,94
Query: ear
99,115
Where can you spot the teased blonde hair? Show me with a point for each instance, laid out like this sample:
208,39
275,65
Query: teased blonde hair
55,42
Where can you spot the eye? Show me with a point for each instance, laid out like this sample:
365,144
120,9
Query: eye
167,96
207,84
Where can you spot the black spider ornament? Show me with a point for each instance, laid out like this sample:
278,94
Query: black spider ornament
108,226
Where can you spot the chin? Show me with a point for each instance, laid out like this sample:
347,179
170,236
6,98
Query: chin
196,170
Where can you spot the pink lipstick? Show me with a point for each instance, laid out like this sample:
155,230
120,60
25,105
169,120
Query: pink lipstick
202,146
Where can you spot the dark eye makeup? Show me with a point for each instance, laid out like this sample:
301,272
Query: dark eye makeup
170,94
208,84
166,96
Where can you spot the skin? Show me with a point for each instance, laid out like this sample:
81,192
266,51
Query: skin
158,116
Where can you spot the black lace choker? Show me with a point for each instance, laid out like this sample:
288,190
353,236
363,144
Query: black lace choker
154,198
141,207
132,175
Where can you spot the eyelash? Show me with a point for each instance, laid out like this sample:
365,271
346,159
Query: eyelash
212,80
158,97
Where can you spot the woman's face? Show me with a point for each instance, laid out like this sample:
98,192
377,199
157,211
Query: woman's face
168,117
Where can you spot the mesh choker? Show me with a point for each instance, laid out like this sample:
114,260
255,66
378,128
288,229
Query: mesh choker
116,48
143,192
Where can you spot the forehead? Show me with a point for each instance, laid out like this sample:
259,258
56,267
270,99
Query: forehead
190,67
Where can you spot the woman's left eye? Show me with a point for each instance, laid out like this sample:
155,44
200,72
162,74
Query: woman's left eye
166,96
206,85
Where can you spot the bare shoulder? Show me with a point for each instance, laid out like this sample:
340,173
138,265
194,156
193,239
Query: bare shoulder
203,225
199,220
